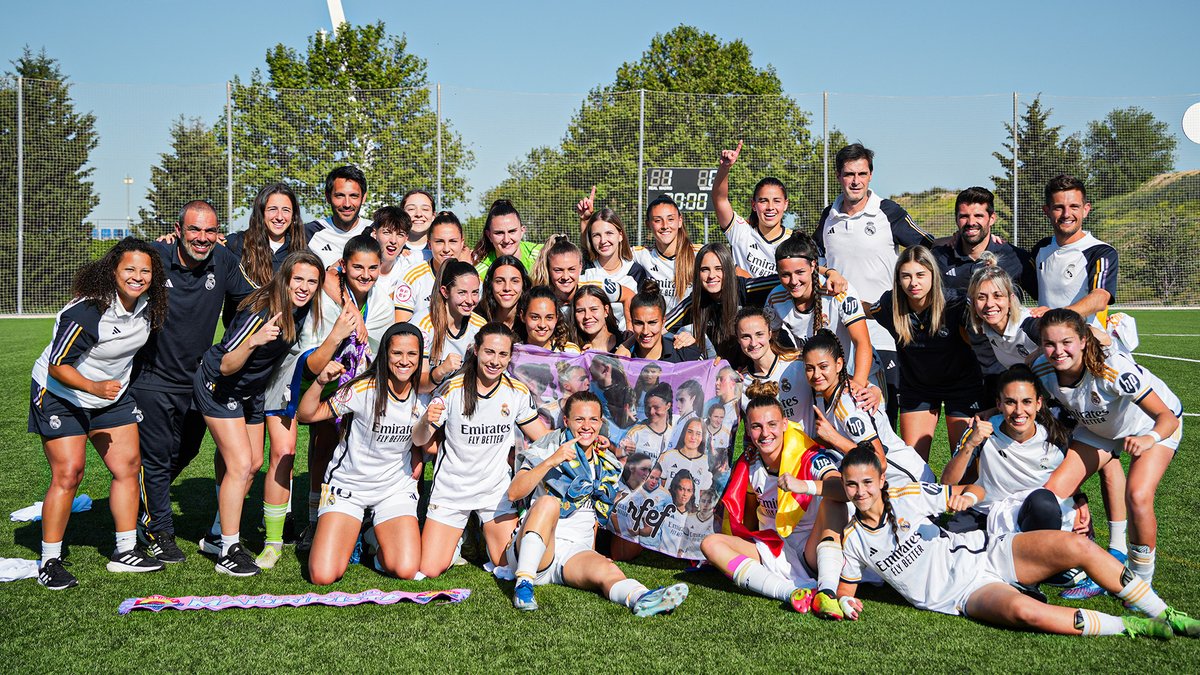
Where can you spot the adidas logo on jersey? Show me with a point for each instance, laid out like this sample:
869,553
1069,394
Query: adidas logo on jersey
116,331
950,272
169,284
327,247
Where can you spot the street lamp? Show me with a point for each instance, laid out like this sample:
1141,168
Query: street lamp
128,218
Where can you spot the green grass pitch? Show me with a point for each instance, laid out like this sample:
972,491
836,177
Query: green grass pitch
718,629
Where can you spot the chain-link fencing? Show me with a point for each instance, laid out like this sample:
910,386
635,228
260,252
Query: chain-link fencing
83,155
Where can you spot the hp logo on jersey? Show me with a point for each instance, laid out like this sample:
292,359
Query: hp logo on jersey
856,426
1129,383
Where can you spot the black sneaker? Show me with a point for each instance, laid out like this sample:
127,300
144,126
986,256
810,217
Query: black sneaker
162,545
210,544
133,560
237,563
53,575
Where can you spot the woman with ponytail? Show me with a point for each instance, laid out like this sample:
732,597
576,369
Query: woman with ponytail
781,544
375,466
594,321
841,425
503,235
670,258
1121,407
763,359
475,413
449,328
753,240
558,266
972,574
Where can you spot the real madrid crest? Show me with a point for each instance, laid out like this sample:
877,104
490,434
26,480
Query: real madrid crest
211,282
504,409
1096,400
870,229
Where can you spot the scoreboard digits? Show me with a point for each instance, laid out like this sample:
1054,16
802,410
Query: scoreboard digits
690,188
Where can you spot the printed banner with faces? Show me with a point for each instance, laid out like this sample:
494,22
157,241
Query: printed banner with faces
670,424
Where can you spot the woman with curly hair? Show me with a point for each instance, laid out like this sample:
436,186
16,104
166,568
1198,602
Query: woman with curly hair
79,392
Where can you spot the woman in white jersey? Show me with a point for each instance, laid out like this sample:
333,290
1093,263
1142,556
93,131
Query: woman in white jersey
477,411
754,240
608,258
374,467
802,304
691,454
892,534
780,545
573,475
449,328
79,392
503,285
670,259
841,425
763,359
1121,407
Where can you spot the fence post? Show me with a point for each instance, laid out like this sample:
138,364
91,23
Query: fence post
1016,189
20,195
825,153
229,154
440,205
641,159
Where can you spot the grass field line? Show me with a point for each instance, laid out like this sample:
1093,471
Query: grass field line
1173,334
1171,358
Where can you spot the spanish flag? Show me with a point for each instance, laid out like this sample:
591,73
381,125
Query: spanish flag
798,453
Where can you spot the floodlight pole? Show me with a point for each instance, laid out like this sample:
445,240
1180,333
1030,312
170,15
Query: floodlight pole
641,159
1016,189
20,195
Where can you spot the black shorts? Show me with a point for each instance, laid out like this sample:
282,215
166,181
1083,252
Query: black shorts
958,404
211,401
53,417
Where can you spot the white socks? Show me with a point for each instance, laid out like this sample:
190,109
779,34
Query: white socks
626,592
753,576
126,541
829,566
1092,623
1141,561
228,541
530,550
1136,592
51,551
1116,535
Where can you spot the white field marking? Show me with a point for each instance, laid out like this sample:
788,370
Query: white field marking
1187,414
1169,358
1174,334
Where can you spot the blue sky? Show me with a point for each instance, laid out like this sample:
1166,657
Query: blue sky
140,64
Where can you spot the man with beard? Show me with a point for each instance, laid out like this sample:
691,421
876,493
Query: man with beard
201,275
975,214
345,192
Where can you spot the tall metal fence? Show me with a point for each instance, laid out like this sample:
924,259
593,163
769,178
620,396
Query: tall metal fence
91,162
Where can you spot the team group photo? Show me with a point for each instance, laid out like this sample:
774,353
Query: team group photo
732,406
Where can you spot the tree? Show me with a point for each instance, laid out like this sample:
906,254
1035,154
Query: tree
1164,257
1042,154
701,95
1125,149
356,97
58,142
194,169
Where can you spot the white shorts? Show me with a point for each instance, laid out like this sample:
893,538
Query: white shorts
451,515
790,563
997,568
385,505
1117,445
1002,515
564,550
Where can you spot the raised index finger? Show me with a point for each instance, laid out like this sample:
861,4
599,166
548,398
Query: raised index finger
593,195
818,411
739,148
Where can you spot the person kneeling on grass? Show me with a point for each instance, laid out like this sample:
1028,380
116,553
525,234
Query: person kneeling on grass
891,533
573,474
375,466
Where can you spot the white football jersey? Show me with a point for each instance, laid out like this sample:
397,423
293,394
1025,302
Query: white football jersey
414,291
766,489
329,242
453,343
673,461
473,460
661,269
580,525
928,566
904,464
1007,466
373,455
839,312
794,393
649,441
1020,339
751,251
1108,406
611,284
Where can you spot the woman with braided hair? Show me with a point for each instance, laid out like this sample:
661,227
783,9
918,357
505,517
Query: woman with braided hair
892,533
